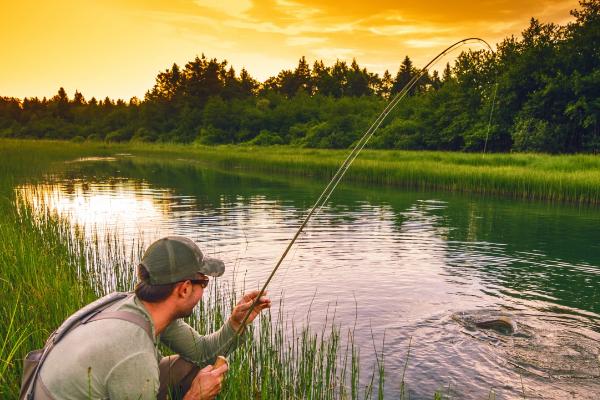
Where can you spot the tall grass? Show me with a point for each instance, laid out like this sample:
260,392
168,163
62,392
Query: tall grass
48,272
564,178
40,284
48,269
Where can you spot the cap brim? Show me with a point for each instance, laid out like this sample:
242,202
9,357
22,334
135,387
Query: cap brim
212,267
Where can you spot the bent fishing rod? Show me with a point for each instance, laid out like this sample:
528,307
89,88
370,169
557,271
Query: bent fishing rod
337,177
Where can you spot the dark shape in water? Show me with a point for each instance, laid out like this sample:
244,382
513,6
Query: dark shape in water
487,319
501,324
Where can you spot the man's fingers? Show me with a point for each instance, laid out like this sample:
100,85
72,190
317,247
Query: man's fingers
262,306
221,370
243,306
250,296
208,368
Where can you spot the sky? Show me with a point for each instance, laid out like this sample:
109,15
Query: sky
116,48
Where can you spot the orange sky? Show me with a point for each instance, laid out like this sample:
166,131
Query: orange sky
116,47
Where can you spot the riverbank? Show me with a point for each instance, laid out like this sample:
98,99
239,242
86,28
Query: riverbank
538,177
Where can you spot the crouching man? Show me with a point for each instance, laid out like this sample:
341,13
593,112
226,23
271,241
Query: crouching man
114,354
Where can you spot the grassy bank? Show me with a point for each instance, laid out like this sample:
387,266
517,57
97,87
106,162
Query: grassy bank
48,270
564,178
572,178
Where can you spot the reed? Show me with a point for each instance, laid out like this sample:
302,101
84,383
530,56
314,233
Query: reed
51,272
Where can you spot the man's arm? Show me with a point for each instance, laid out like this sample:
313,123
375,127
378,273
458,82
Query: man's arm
202,350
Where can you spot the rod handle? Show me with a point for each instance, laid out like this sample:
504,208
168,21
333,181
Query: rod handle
220,361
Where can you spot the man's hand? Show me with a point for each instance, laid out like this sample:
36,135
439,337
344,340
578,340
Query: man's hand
207,383
239,312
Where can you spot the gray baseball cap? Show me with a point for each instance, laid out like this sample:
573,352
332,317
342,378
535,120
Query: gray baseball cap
177,258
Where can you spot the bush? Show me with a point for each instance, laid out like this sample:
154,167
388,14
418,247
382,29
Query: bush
399,134
118,135
144,135
95,137
211,135
266,138
536,135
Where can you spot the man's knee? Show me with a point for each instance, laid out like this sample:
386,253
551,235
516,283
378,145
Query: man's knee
176,375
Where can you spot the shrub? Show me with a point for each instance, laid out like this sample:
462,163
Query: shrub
266,138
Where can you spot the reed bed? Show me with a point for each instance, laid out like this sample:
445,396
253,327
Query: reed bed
537,177
540,177
49,270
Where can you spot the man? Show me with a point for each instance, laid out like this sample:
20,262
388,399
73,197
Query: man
110,358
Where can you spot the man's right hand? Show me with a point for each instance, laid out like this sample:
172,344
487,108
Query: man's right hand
207,383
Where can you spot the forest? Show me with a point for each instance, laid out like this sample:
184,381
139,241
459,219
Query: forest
544,87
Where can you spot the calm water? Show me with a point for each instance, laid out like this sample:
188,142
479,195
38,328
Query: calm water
399,265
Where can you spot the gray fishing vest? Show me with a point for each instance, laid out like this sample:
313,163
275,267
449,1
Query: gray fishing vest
33,388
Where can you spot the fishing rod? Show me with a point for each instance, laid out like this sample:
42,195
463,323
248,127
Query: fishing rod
337,177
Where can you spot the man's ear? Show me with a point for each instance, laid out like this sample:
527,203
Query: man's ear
183,289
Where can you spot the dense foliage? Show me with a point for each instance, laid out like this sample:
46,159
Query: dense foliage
548,86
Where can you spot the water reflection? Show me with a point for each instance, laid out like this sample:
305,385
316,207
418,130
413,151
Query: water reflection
391,262
122,206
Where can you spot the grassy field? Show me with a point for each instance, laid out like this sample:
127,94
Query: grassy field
564,178
48,270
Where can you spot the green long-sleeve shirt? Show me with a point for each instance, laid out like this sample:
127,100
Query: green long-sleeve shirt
115,359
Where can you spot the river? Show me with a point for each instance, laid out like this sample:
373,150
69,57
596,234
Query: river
395,265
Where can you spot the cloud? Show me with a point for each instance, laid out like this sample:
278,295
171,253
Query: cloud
333,53
400,30
304,40
236,8
297,10
426,43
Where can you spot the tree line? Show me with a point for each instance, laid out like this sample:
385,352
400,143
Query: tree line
543,86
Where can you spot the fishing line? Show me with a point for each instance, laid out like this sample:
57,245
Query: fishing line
487,133
360,144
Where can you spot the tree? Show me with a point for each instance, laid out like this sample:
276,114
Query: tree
447,74
405,75
302,77
168,85
385,85
249,85
60,103
339,74
78,99
435,80
357,81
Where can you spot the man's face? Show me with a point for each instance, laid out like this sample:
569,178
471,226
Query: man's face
196,290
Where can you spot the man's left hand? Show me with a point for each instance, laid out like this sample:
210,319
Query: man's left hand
242,307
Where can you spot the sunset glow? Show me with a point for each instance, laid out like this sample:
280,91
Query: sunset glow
116,48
